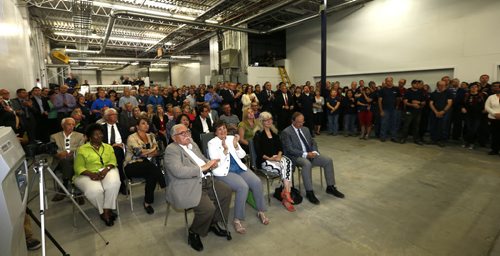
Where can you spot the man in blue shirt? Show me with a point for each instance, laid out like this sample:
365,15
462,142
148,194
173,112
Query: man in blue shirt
100,103
213,98
155,99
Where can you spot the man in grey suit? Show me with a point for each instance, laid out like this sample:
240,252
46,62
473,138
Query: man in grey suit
300,147
190,186
67,142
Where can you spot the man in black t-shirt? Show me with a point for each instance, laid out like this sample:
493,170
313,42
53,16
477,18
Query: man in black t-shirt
413,103
440,103
388,98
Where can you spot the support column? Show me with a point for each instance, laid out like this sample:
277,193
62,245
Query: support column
323,48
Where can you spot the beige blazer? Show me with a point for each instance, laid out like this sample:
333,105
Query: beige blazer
184,176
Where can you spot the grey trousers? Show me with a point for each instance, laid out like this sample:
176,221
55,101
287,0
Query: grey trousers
322,161
240,183
207,212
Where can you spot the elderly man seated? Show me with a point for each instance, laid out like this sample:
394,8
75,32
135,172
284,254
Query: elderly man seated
191,187
115,136
67,142
300,147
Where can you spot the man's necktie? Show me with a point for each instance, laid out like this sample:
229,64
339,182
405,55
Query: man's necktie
286,99
112,139
303,139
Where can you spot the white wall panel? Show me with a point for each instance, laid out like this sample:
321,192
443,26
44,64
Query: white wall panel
259,75
16,70
401,35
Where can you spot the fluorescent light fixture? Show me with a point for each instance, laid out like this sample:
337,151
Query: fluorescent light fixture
159,65
211,21
184,17
132,40
135,63
99,61
180,57
81,51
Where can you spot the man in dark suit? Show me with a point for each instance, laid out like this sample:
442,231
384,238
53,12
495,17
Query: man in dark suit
201,124
266,98
283,106
300,147
114,135
26,111
41,115
191,187
230,96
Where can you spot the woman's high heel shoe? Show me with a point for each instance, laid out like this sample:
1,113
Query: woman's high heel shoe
287,201
263,219
285,195
239,227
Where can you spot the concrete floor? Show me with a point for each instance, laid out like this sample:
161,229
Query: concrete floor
400,200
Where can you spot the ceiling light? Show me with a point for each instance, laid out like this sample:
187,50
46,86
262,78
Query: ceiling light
180,57
134,63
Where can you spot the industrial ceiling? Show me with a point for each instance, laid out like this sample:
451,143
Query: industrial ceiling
137,28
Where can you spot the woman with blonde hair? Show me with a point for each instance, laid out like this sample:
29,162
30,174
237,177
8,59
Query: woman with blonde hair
269,153
247,127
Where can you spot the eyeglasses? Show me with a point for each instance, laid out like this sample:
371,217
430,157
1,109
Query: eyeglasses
185,133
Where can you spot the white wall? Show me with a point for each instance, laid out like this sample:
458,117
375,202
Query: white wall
402,35
190,73
16,70
259,75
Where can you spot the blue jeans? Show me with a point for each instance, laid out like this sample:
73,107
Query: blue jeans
439,130
349,124
388,124
333,123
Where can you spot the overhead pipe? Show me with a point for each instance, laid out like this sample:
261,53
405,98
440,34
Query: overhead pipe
281,27
143,13
133,59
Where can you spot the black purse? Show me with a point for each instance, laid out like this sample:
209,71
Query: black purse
294,193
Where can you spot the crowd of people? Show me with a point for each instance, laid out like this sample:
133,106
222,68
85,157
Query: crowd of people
105,137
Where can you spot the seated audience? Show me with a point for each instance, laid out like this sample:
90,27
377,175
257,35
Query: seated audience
115,136
300,147
201,125
190,186
160,120
141,149
270,156
229,118
96,174
246,128
67,142
232,171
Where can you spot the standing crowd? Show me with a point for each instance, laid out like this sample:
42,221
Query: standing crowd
191,139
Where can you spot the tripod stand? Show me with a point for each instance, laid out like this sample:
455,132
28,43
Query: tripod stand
39,169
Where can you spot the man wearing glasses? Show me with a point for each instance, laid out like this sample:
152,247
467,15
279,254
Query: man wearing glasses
190,186
67,142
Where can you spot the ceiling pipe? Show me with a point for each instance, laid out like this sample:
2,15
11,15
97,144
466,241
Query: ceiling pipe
143,13
338,7
109,28
133,59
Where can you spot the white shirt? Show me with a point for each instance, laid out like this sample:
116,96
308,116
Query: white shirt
204,125
304,154
492,106
118,137
67,141
195,158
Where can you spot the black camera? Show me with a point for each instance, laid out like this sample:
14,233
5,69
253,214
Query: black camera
38,148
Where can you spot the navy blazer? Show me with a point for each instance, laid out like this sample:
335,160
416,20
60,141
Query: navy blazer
291,142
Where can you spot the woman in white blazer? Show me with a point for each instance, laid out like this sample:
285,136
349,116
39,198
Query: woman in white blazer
232,171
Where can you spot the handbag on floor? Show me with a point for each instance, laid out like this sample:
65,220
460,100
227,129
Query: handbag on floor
294,193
